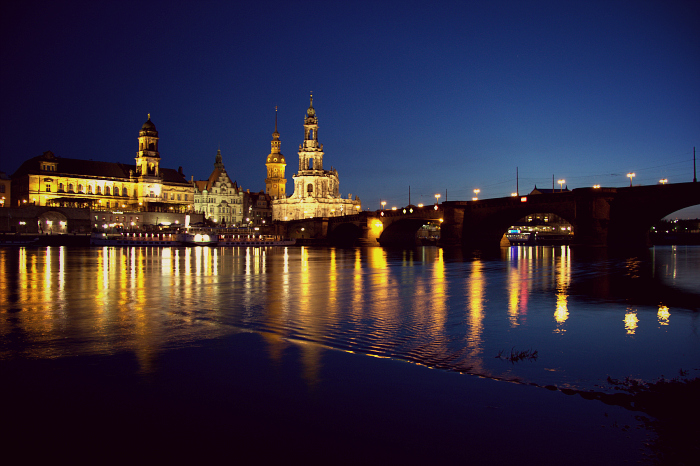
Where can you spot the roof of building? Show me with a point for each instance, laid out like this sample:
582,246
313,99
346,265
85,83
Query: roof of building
90,168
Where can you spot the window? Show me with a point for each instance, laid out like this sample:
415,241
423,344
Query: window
178,197
116,191
185,196
172,196
99,190
107,193
60,187
70,187
80,188
90,189
310,188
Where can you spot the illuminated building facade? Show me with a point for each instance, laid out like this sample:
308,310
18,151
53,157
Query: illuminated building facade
218,198
316,191
275,183
47,180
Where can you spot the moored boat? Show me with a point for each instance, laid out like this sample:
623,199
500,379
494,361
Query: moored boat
135,239
254,241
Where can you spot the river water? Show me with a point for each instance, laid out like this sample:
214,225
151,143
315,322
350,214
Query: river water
579,316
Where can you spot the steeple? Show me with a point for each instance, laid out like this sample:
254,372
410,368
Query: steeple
275,183
148,157
310,151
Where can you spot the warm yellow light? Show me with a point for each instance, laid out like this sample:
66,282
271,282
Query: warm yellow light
477,191
631,322
664,181
475,198
420,205
663,315
630,176
393,208
514,194
378,224
596,186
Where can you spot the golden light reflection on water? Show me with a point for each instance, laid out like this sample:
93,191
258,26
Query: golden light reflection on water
475,317
563,279
663,315
631,321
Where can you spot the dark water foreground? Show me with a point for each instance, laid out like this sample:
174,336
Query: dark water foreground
229,398
327,356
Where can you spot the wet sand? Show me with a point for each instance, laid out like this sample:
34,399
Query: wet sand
247,399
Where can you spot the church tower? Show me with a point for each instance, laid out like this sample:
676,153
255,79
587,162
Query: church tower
148,157
275,183
310,151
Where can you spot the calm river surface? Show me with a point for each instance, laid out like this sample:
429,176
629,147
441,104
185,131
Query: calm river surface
588,317
126,312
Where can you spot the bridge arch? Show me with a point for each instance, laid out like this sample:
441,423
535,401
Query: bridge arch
401,232
345,235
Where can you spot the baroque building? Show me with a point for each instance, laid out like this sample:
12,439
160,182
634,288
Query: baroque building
275,183
218,198
316,191
47,180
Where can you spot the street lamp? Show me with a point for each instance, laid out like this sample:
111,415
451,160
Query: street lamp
383,204
664,181
476,194
561,185
630,176
437,198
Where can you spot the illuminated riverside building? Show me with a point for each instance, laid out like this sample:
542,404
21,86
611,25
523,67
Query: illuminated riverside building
218,198
316,191
48,180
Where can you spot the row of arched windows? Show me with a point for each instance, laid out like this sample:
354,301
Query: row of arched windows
71,188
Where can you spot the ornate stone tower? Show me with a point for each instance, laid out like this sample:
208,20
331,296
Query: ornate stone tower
310,151
275,183
148,157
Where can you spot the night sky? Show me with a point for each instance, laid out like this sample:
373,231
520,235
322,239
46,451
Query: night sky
444,97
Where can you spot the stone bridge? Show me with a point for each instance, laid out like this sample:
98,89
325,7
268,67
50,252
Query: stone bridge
615,217
369,228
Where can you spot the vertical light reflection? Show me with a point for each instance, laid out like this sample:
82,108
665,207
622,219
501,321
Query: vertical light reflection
357,288
438,311
663,315
476,313
631,321
519,281
563,279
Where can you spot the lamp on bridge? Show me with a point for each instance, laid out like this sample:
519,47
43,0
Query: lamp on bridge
437,197
476,194
561,185
630,176
664,181
383,204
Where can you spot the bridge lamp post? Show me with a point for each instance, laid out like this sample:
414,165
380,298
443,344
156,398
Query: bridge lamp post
476,194
561,185
664,181
383,204
437,199
630,176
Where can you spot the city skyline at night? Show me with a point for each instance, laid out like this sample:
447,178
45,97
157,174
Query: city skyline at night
444,98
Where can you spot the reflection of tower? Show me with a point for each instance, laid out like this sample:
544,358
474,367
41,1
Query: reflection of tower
148,157
275,184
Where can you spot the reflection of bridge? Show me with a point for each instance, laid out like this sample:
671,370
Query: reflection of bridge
599,217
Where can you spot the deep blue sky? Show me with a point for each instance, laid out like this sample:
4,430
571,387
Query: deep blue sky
438,96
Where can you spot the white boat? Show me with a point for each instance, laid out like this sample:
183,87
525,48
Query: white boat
135,239
198,239
253,241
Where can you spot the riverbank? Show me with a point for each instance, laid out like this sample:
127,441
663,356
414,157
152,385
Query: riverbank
258,398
